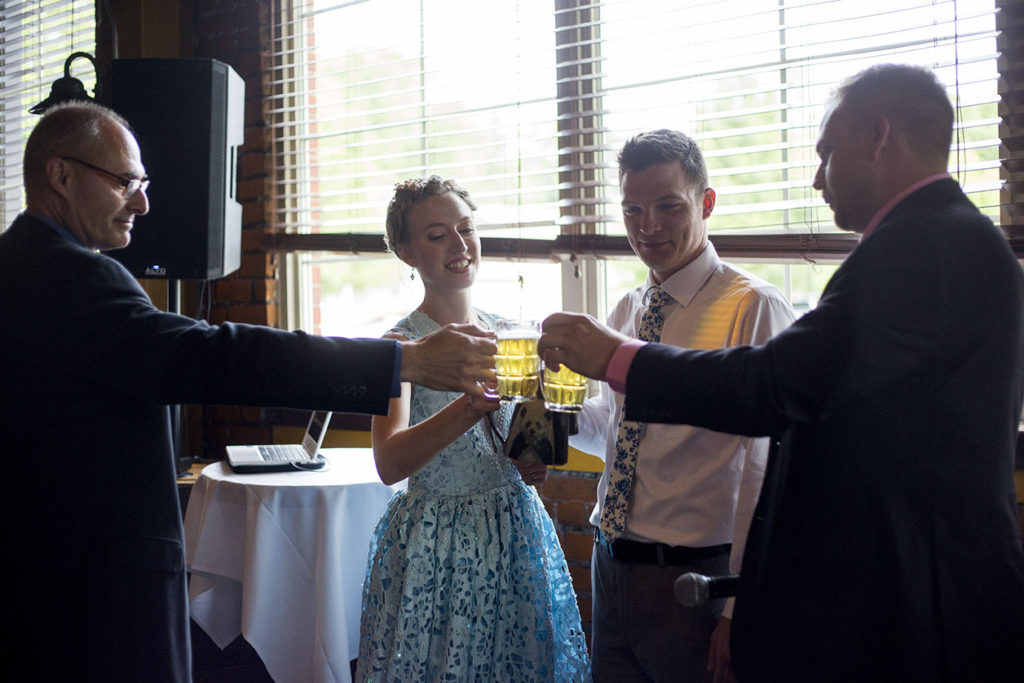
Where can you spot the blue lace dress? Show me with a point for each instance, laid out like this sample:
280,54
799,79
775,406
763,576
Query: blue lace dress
466,578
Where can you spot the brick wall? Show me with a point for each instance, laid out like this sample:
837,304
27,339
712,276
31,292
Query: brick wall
569,497
234,32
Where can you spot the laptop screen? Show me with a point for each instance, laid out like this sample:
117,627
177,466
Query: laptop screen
316,431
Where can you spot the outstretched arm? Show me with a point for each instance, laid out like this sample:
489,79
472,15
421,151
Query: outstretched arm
454,358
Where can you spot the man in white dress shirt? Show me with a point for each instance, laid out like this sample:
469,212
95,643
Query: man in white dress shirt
688,493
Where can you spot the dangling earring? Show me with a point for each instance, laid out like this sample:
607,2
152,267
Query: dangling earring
412,273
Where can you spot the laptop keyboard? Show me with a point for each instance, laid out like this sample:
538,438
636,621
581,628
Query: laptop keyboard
281,453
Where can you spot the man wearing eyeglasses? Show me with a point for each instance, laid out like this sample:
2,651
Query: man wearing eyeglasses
88,367
130,192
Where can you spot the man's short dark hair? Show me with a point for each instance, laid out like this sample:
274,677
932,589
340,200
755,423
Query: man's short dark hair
661,146
911,97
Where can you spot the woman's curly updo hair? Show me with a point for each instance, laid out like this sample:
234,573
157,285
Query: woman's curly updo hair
407,193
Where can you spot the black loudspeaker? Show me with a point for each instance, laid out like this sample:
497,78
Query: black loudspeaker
187,115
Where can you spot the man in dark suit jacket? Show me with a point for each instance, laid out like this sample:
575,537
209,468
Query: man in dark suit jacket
88,367
885,544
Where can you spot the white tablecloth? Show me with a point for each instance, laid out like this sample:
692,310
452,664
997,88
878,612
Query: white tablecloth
280,559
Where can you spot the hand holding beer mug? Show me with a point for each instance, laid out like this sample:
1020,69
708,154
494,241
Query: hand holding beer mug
517,364
564,389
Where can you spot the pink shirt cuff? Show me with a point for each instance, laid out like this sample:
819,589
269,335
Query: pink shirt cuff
618,367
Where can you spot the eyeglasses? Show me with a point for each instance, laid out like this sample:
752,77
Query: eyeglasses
129,186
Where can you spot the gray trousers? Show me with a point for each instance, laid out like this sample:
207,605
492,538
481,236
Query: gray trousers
639,631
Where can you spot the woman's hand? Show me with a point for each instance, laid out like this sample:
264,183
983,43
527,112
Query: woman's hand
533,473
483,404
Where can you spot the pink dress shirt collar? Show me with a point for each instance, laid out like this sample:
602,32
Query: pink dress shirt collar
887,207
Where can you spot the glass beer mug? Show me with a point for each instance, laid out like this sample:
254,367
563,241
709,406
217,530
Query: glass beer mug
564,390
517,364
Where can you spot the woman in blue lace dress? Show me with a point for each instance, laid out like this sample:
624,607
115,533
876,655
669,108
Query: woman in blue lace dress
466,578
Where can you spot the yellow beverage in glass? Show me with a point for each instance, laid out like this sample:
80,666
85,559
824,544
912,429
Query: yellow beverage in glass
517,364
564,390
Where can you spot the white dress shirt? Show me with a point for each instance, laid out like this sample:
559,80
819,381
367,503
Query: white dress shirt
692,487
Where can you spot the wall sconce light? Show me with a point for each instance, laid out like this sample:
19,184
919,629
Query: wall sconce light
67,88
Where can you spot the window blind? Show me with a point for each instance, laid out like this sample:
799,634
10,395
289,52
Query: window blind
527,104
36,38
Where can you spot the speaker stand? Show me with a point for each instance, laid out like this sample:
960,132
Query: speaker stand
183,461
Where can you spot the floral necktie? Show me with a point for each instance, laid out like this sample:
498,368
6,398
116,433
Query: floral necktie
620,478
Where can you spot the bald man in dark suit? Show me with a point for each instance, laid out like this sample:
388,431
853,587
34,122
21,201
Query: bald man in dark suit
885,545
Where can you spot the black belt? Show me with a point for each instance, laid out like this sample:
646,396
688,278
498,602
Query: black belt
661,554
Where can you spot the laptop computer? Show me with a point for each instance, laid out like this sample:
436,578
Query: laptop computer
284,457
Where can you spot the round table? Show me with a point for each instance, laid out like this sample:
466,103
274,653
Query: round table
280,558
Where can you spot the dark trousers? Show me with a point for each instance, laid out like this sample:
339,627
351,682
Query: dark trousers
640,632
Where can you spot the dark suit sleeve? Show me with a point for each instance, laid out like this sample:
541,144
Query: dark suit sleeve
166,358
879,319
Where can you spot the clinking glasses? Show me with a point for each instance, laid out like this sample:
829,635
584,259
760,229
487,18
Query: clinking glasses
129,186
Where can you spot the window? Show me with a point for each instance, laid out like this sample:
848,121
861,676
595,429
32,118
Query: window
527,104
36,39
